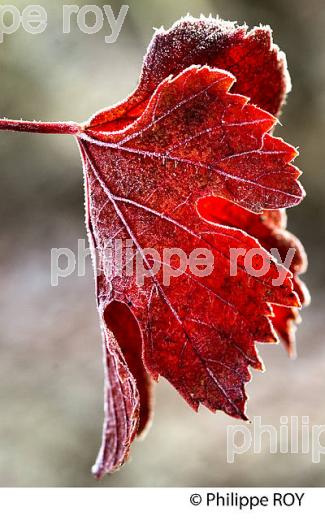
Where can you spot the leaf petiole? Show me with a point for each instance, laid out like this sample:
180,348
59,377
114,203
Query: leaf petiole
68,128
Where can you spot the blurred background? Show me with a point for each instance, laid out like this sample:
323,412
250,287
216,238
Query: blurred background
51,375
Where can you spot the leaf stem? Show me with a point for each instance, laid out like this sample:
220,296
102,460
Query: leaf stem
39,127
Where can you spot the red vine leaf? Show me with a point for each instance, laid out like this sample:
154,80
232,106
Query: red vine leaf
193,139
186,165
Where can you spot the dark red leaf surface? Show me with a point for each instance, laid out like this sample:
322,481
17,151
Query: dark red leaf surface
259,66
183,163
269,229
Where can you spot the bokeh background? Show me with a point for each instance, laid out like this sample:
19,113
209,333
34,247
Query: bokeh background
50,353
